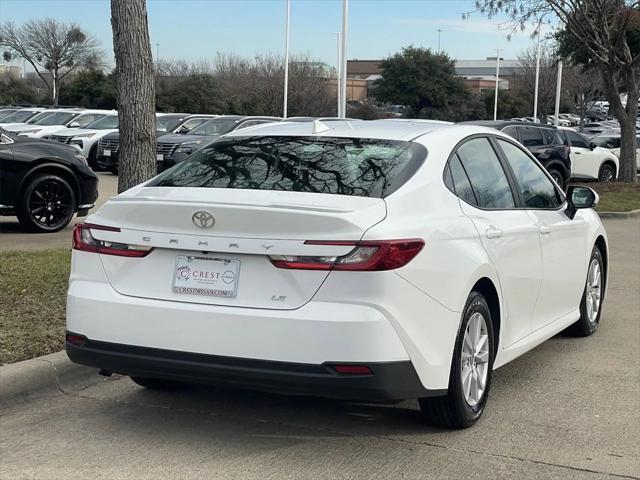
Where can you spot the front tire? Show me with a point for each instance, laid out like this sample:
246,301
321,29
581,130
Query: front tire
47,204
470,374
607,174
592,297
557,177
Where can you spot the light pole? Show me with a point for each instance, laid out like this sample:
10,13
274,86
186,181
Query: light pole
439,32
338,71
343,59
535,93
558,89
495,100
286,59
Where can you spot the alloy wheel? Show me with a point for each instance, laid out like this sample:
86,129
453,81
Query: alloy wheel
594,290
474,363
50,204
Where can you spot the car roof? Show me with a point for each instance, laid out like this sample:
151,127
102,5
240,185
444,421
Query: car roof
378,129
504,123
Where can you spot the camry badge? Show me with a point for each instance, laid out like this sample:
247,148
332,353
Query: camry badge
202,219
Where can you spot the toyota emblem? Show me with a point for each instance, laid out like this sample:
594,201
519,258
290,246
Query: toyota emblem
202,219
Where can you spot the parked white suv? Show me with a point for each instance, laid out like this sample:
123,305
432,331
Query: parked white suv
59,120
369,260
589,161
86,139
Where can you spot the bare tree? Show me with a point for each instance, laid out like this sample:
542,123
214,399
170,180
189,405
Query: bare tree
135,94
606,30
53,48
582,86
526,73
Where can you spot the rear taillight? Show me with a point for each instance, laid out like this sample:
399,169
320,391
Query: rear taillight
366,256
85,242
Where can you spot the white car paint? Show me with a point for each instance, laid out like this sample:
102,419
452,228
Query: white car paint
38,131
537,261
586,162
84,139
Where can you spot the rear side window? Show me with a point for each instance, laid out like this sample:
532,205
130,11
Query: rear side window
343,166
551,137
511,131
461,185
530,136
486,175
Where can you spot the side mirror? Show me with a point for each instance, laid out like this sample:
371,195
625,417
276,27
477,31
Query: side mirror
592,145
73,125
580,197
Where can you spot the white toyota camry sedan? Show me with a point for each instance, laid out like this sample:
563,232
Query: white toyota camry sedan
371,260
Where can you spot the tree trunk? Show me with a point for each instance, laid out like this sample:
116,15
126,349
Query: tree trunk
627,117
135,92
54,88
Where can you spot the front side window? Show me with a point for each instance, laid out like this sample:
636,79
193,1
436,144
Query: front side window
107,122
577,140
536,189
86,119
342,166
215,127
57,118
486,175
530,136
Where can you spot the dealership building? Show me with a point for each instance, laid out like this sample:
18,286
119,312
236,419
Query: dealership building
479,75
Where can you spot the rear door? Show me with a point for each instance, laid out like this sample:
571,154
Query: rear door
508,234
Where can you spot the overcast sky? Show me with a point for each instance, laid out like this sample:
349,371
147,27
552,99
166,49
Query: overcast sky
195,29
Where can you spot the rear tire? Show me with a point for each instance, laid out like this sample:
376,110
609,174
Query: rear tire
467,394
592,298
157,383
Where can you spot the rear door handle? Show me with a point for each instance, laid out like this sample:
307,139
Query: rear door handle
493,232
578,153
545,229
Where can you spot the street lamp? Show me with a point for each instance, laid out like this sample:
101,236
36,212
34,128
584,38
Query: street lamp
343,60
495,100
286,59
439,32
535,93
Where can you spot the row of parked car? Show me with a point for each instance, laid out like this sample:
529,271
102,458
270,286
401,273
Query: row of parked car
48,155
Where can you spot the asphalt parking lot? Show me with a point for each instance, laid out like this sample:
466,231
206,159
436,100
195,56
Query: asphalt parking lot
568,409
13,237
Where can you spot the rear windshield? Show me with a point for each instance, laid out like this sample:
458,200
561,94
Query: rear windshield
342,166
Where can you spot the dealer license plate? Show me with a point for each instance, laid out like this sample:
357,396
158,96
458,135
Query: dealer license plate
212,277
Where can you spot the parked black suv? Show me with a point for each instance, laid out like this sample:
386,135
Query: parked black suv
172,149
44,183
543,141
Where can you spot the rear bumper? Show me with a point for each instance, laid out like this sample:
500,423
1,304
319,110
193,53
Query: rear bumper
388,380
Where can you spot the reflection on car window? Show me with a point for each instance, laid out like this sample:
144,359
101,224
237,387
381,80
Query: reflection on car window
511,131
461,186
488,180
343,166
606,142
536,188
577,140
551,137
530,136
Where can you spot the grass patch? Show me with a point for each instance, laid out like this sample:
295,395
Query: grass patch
33,288
617,196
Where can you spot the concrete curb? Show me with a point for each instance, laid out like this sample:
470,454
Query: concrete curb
43,376
630,214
